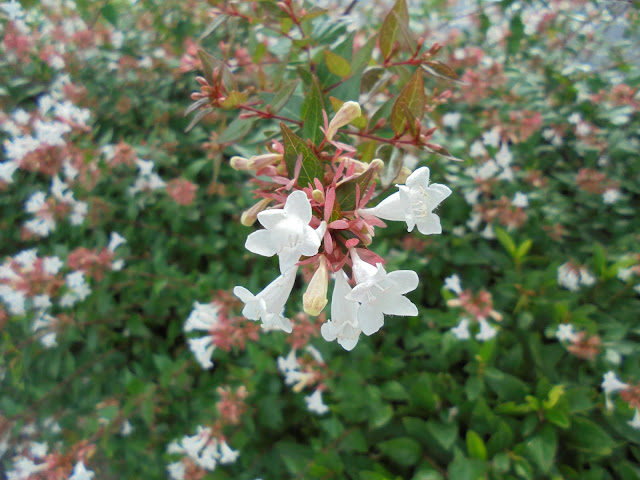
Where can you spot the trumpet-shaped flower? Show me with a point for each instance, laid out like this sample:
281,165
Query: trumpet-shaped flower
414,203
315,403
380,293
269,303
343,325
287,232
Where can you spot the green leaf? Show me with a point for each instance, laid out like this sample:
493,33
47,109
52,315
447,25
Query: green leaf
404,451
312,114
211,64
413,99
523,249
219,20
233,100
395,27
199,116
558,417
505,240
337,64
506,386
475,446
441,70
445,433
110,13
284,94
542,448
236,130
294,146
346,192
590,437
599,259
362,57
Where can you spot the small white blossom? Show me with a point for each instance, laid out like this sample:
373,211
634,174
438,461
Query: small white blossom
227,455
487,332
477,149
287,232
115,240
414,203
451,120
569,277
461,332
343,325
81,473
565,333
492,137
625,274
315,403
126,428
611,196
453,283
504,156
177,470
586,278
52,265
635,422
520,200
269,303
380,293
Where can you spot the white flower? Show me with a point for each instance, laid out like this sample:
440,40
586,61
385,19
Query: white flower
7,169
568,277
504,156
380,293
315,403
176,470
575,118
288,363
208,458
343,325
287,232
520,200
586,278
488,232
202,317
474,221
451,120
414,203
611,196
477,149
46,322
126,428
487,170
453,283
269,303
52,265
492,137
635,422
115,240
625,274
565,333
487,332
38,450
461,332
613,356
471,197
81,473
611,383
203,348
227,455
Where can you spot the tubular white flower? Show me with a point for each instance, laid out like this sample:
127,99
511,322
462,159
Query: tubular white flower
414,203
203,348
269,303
453,284
611,384
343,325
565,333
287,232
202,317
487,332
227,455
380,293
81,473
461,332
315,403
635,422
115,240
176,470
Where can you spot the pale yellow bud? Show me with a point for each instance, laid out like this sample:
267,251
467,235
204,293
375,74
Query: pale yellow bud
260,161
318,196
315,298
250,216
347,113
239,163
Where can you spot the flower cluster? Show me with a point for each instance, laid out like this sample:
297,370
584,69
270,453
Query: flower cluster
630,394
317,224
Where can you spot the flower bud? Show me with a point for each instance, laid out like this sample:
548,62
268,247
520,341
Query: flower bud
347,113
315,298
239,163
250,216
260,161
318,196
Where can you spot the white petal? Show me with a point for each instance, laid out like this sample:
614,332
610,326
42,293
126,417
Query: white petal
398,305
404,280
298,205
420,177
270,218
371,319
261,243
391,208
429,225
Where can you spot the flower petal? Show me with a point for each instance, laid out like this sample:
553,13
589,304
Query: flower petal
260,242
270,218
391,208
298,205
398,305
429,224
419,178
371,319
404,280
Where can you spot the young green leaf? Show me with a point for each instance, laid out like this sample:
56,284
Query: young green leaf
412,98
395,27
337,64
294,146
312,114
